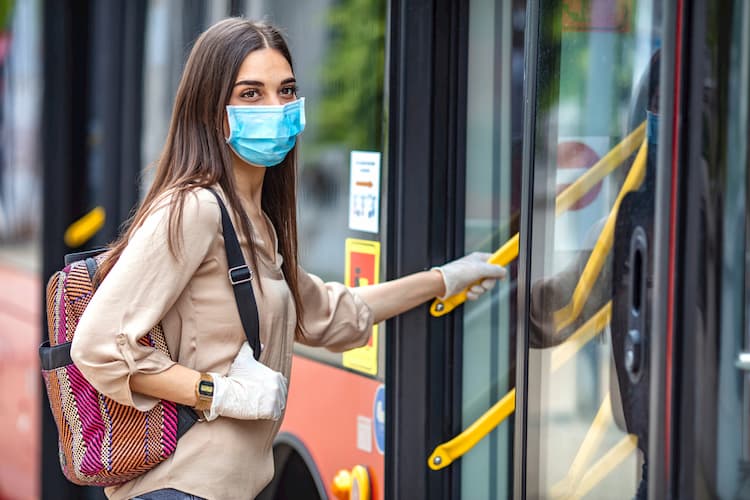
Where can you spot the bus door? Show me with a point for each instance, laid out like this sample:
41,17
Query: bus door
708,449
476,454
494,132
456,73
587,249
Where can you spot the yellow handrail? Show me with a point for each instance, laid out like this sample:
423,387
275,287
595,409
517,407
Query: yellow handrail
606,464
595,324
80,231
446,453
502,257
565,316
601,169
509,251
590,443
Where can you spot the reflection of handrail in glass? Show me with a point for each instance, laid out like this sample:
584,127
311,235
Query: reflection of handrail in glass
570,486
566,315
446,453
591,442
509,251
605,465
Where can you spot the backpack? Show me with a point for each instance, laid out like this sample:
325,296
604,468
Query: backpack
102,442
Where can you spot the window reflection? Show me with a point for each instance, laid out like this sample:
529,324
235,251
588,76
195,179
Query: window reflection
591,260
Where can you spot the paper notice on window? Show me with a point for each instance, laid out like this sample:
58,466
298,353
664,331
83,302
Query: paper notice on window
364,191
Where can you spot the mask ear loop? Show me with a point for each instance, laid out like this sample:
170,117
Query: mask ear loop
228,124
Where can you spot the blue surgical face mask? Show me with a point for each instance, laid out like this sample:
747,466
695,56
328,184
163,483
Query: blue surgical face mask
264,135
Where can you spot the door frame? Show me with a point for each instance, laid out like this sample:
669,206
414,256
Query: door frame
425,81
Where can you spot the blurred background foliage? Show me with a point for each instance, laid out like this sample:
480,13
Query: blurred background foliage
6,11
352,76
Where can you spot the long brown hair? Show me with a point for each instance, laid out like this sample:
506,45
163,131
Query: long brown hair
196,155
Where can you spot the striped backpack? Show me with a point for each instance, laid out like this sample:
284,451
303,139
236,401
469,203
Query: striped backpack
102,442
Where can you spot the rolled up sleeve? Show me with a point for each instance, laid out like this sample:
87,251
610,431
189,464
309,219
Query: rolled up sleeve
335,317
136,294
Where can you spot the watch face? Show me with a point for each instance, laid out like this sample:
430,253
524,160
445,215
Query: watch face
206,388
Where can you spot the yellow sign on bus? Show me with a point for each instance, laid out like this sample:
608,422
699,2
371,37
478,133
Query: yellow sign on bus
363,268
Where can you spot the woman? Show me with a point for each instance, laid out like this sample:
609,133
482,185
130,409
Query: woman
170,266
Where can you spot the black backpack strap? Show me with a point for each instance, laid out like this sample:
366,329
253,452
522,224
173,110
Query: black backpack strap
72,257
91,269
186,418
240,276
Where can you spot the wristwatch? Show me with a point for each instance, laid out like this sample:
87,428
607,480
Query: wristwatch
204,392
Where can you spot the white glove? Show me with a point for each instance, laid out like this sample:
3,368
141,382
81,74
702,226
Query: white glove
250,391
470,271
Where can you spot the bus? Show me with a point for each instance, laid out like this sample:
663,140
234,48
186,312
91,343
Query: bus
599,150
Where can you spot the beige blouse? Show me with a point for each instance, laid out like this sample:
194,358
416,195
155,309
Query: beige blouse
192,297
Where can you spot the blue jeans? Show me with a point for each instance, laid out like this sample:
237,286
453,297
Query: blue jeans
167,494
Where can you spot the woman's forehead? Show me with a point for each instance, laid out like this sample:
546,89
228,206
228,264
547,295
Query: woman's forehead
265,64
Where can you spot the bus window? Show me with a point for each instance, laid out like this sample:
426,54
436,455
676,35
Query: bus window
589,257
339,65
493,166
333,437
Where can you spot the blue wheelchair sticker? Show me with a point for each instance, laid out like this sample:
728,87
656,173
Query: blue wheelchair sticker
378,418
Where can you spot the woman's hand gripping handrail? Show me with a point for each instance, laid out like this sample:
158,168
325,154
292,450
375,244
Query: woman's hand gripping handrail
446,453
502,257
509,251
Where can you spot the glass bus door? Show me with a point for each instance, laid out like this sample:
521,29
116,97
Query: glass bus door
493,166
586,248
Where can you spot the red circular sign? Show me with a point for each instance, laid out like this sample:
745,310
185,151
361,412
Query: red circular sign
574,154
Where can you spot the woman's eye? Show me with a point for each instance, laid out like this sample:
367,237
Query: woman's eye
249,93
289,91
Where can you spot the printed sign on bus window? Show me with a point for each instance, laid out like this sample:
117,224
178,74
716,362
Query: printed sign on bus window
364,191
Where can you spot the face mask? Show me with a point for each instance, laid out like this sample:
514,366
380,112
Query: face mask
263,135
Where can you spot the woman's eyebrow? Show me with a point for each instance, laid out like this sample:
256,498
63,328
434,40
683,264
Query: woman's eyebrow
249,82
256,83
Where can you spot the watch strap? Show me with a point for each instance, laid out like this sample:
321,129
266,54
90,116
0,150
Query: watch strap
204,392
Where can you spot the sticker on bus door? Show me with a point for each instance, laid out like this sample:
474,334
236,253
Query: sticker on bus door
364,191
363,268
378,418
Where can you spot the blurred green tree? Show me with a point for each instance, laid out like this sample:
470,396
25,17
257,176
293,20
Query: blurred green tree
351,110
6,14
